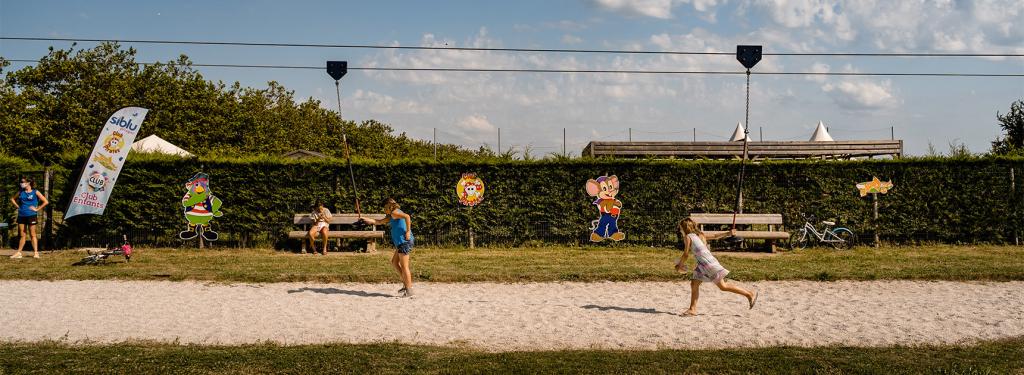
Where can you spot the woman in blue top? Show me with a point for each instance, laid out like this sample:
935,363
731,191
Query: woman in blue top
401,236
29,202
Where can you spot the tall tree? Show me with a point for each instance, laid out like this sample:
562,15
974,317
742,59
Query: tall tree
1012,142
55,109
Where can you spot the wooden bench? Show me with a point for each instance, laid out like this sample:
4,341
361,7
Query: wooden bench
773,222
371,235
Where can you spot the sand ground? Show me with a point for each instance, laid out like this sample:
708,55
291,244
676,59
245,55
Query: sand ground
502,317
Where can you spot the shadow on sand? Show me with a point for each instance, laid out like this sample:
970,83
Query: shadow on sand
357,293
627,309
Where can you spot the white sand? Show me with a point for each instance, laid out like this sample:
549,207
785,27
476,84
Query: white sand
513,316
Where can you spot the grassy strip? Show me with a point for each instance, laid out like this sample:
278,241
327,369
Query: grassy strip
988,357
996,263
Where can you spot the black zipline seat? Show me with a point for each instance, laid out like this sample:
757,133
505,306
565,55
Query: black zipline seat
371,235
773,222
757,150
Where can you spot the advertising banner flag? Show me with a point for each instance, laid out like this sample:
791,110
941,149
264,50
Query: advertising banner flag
105,161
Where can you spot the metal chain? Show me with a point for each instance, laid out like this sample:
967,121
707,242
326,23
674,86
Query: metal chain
348,157
746,123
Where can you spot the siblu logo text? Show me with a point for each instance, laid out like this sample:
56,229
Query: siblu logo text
127,124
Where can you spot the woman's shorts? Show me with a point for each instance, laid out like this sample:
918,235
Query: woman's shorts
405,247
28,220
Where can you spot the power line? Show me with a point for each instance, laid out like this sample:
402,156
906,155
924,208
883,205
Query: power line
490,49
584,71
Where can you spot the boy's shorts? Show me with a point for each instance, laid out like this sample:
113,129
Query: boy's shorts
405,247
28,220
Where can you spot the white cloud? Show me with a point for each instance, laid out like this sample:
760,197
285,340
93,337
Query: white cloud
380,103
662,9
533,108
566,25
862,94
944,25
571,39
649,8
476,123
819,67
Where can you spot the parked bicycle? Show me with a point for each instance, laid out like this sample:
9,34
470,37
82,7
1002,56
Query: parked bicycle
838,237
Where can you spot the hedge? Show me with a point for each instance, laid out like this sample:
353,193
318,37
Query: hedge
969,200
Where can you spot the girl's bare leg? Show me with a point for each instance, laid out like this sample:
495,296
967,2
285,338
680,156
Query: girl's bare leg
406,272
323,232
35,241
723,285
312,240
396,264
694,294
21,238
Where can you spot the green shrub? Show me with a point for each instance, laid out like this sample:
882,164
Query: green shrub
936,200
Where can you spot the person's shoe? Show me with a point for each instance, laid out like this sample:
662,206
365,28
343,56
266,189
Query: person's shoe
407,293
400,291
594,237
16,255
35,256
618,236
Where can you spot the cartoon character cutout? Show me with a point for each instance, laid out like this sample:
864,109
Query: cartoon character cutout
114,142
874,186
605,188
470,190
105,161
201,206
98,181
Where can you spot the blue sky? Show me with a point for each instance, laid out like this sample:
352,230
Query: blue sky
532,109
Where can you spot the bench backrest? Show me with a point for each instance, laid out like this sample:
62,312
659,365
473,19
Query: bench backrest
770,219
340,218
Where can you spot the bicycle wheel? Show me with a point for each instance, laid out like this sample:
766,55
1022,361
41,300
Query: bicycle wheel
799,240
843,238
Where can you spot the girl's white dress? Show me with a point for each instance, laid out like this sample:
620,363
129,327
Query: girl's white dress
708,269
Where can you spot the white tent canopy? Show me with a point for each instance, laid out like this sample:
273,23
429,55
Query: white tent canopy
156,144
821,134
737,136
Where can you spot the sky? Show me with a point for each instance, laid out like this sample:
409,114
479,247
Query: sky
532,109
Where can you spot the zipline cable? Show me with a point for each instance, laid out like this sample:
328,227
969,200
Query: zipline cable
493,49
587,71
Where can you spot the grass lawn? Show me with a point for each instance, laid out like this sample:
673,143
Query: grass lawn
944,262
1000,357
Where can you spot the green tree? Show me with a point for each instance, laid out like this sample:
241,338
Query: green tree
54,110
1013,128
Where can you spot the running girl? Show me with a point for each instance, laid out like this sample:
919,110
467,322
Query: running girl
707,269
401,236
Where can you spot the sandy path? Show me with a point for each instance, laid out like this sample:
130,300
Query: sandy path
513,316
